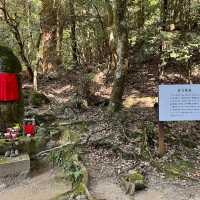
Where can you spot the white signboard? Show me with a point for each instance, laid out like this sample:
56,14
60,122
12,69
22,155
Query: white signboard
179,102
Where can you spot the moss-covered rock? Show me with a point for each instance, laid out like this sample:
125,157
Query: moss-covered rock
132,182
25,144
70,136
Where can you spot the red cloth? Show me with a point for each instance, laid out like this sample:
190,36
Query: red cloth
29,129
9,89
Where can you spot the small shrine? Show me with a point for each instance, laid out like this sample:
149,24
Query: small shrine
13,125
12,160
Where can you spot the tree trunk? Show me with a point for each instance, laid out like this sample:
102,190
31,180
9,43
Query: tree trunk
122,52
49,35
73,32
61,19
111,36
164,14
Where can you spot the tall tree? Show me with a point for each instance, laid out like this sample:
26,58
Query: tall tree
73,31
49,34
120,7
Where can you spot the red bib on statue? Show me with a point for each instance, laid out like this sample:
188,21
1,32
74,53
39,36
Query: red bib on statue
9,89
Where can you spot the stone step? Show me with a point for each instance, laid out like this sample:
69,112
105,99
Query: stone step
15,166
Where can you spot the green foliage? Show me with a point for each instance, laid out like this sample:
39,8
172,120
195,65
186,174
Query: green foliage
68,161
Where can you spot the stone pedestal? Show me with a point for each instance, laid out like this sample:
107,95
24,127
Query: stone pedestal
14,167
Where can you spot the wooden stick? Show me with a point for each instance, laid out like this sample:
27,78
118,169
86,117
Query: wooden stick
161,132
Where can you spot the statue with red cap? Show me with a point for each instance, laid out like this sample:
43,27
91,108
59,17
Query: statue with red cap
11,98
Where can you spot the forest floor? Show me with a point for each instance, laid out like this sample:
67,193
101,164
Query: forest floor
116,144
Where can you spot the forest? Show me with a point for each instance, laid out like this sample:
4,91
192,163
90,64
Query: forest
84,90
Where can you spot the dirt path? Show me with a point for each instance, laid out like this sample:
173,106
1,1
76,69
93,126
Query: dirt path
109,189
41,187
170,190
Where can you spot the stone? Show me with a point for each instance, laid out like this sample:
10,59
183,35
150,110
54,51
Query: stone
39,99
51,144
11,112
81,197
16,152
7,154
132,182
55,134
11,167
2,186
136,178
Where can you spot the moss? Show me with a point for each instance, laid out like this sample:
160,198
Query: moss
26,144
134,176
71,136
80,189
177,169
3,160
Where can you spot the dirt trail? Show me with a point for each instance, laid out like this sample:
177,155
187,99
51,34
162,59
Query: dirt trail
41,187
109,189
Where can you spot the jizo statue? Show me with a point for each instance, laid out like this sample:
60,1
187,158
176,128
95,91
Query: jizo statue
11,99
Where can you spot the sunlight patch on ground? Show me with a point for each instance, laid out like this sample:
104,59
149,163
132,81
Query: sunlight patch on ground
99,78
66,88
140,102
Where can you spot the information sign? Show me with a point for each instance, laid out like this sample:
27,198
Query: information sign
179,102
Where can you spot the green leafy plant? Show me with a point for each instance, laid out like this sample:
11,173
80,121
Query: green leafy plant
68,161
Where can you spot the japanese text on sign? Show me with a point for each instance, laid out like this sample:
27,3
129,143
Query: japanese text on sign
179,102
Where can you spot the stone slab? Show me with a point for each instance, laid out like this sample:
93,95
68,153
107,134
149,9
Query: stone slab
16,166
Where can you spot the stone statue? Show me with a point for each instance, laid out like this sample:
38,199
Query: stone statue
11,98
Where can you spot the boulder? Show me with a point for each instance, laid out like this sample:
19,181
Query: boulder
132,182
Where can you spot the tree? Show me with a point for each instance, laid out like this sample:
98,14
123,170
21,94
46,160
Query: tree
14,25
49,34
73,32
122,52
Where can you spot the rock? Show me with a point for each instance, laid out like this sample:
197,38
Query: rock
14,166
51,144
12,153
2,186
55,134
137,178
81,197
16,152
46,118
39,99
7,154
132,182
